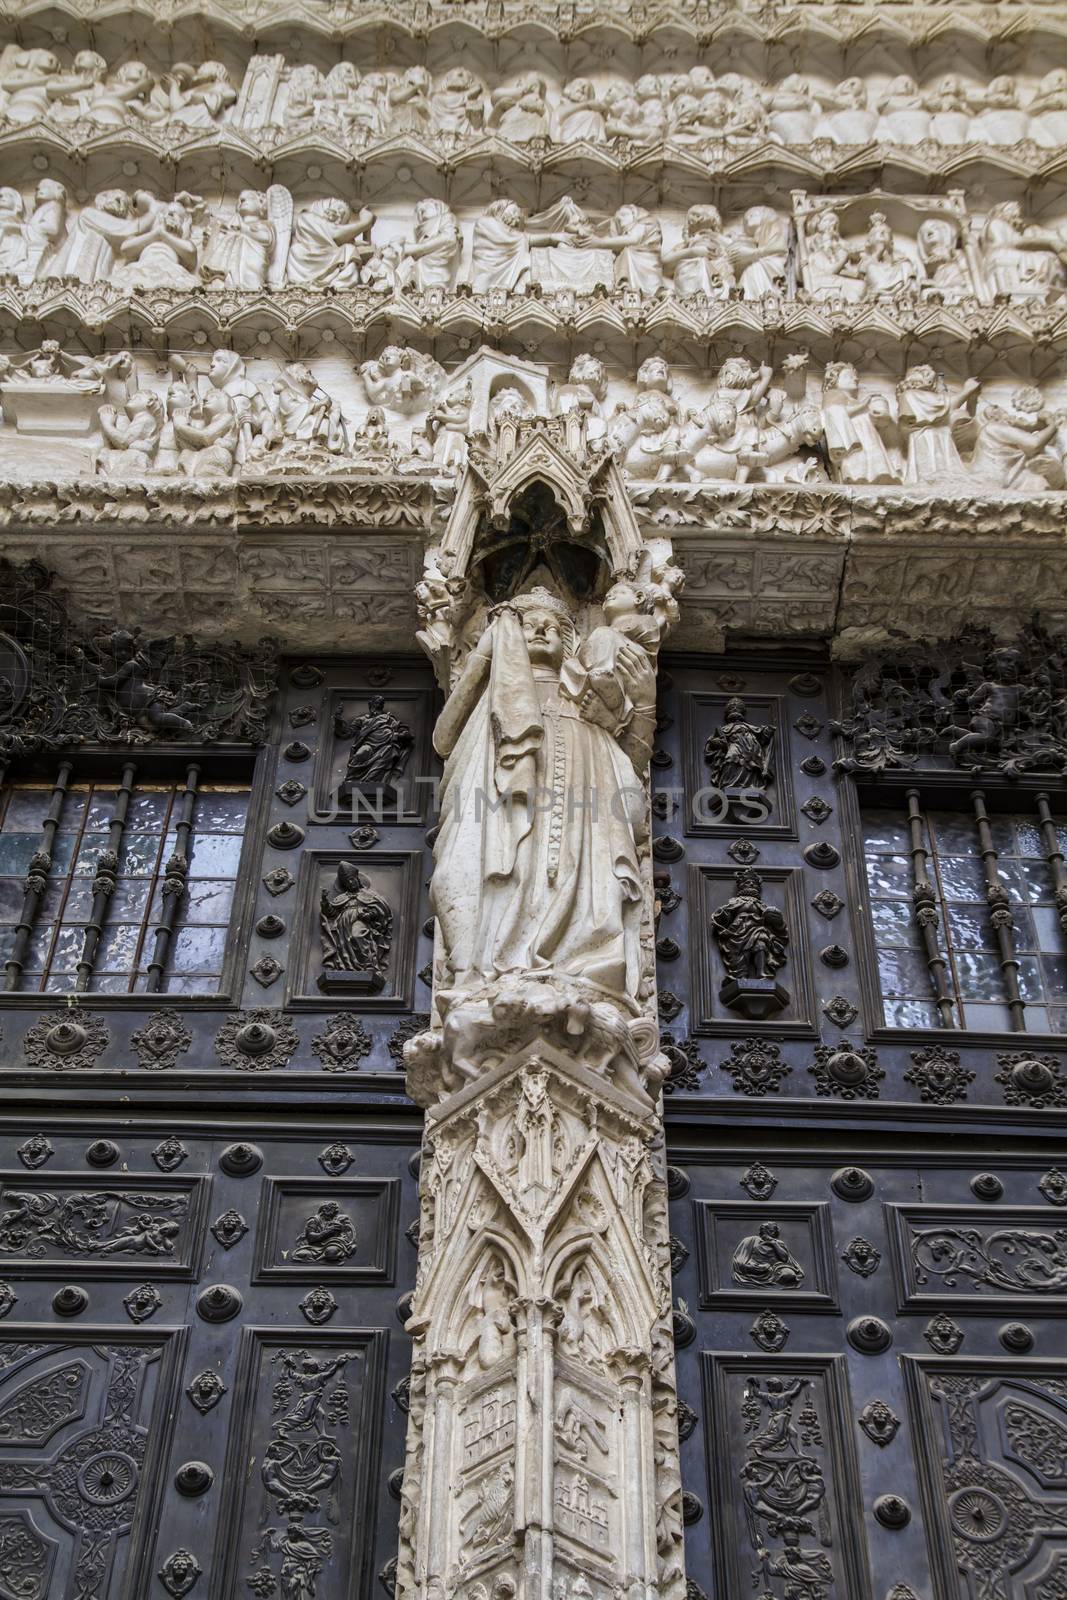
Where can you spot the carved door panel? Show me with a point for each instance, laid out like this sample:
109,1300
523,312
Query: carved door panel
872,1368
202,1367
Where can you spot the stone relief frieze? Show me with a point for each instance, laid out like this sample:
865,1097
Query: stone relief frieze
896,251
401,415
279,100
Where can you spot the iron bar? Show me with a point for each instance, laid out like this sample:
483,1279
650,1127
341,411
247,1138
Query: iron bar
36,880
1000,913
105,880
924,902
175,881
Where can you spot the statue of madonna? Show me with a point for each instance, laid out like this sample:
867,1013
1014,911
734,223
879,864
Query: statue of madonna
543,808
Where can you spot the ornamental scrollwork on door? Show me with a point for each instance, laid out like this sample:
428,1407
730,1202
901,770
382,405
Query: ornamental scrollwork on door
94,1223
1014,1260
784,1490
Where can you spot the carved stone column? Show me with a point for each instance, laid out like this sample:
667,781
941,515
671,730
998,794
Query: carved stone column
542,1445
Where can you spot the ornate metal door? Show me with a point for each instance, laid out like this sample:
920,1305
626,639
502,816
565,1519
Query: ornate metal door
202,1365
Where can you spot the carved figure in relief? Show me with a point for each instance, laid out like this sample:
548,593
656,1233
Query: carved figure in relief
700,263
1014,447
578,1426
946,274
585,1329
249,246
330,242
306,1376
381,744
792,111
448,425
520,109
760,250
635,238
402,380
928,417
207,436
1048,110
855,429
131,436
752,936
195,96
830,269
145,703
848,118
328,1236
904,118
160,252
299,423
501,247
1018,259
430,256
885,269
738,753
489,1298
12,243
764,1258
555,889
95,238
585,390
457,104
489,1518
356,925
1000,118
44,230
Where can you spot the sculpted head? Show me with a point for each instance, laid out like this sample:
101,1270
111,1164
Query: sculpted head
589,370
736,372
10,202
546,627
50,189
115,202
251,203
841,375
654,374
701,220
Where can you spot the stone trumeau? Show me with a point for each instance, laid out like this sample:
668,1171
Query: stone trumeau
533,800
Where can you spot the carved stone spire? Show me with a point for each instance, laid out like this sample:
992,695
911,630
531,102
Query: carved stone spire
542,1453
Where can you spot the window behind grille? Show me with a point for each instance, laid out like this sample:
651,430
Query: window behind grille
48,942
966,916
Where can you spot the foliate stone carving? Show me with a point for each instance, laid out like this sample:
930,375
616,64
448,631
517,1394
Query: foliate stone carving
938,1075
72,1043
756,1067
256,1041
342,1044
160,1041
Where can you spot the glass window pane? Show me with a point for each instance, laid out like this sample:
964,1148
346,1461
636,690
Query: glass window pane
980,977
26,809
885,833
12,894
117,948
16,849
74,804
89,852
1030,984
147,812
109,983
1047,931
889,875
962,877
902,972
1055,973
100,810
954,832
1036,879
970,928
1003,835
995,1019
911,1014
140,852
198,950
178,983
221,811
894,923
129,900
1028,837
68,948
215,855
1057,1019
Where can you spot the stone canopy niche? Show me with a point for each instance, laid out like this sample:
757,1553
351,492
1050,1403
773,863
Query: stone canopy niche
542,1446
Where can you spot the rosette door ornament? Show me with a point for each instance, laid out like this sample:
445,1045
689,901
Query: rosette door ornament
542,1450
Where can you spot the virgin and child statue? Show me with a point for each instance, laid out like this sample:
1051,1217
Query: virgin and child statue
543,810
